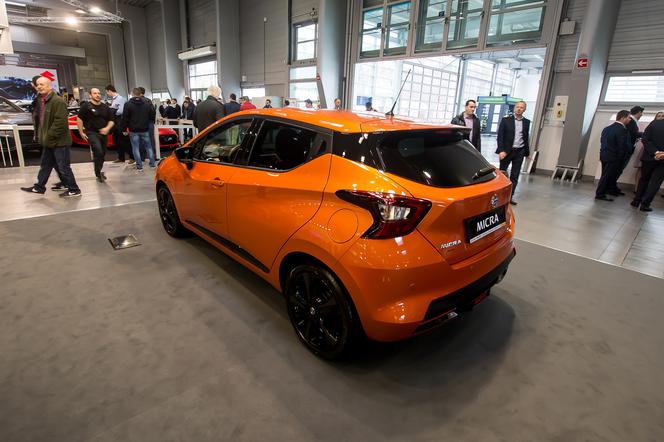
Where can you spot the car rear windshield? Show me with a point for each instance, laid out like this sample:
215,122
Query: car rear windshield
439,158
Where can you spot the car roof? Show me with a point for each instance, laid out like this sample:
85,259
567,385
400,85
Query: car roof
347,121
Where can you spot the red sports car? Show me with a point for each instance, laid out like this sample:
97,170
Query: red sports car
168,138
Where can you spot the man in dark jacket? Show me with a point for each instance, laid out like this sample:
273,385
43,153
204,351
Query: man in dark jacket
652,165
614,147
52,129
188,108
469,119
210,110
33,109
232,106
95,121
513,145
136,117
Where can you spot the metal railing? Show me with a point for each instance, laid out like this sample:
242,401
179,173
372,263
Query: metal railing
6,148
11,143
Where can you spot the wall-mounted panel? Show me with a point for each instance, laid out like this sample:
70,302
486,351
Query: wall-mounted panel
567,44
273,44
201,23
637,41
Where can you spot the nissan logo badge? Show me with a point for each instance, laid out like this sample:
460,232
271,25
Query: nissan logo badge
494,200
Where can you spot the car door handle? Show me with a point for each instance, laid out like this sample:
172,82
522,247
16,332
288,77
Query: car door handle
217,182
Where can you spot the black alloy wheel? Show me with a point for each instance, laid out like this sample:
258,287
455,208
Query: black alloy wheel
169,214
320,312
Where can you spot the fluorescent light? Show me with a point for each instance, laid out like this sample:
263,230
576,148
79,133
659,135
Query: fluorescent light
95,9
648,71
71,20
197,53
80,11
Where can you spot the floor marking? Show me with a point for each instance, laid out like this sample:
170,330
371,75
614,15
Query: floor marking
78,210
587,257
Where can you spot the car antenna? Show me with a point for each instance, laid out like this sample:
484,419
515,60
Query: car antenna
396,100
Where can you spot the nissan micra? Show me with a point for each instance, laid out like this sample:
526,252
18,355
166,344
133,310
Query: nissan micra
370,226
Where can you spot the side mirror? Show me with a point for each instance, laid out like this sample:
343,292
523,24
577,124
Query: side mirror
183,154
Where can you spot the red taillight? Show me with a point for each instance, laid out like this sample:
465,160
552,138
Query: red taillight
394,215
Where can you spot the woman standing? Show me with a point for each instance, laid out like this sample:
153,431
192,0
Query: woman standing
188,108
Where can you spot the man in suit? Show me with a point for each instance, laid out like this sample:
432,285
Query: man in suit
652,174
469,119
513,145
614,147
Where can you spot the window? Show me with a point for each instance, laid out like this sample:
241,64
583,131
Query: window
515,20
281,146
388,26
306,36
222,145
161,95
253,92
431,25
201,76
429,92
465,21
396,31
303,86
629,89
437,158
372,27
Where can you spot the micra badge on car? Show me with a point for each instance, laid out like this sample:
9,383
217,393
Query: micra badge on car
370,226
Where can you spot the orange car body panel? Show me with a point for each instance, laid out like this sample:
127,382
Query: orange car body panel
272,214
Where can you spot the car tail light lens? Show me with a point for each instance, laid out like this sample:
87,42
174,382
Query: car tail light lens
394,215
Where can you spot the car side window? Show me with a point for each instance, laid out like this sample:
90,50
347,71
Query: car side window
281,146
222,144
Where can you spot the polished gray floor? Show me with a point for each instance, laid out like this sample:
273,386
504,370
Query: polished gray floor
558,215
173,341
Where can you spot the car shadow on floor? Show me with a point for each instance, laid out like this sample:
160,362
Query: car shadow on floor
439,371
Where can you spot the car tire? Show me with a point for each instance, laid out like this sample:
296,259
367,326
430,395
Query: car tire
321,312
169,214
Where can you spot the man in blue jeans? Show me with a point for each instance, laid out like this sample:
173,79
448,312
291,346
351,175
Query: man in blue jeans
136,117
52,129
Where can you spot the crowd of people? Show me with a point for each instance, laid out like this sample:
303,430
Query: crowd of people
618,143
136,118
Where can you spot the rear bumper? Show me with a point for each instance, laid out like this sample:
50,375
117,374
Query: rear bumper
466,295
416,289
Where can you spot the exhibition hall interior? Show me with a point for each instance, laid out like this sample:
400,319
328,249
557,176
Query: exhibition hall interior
331,220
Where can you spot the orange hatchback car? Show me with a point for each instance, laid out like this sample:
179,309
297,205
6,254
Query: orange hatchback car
371,226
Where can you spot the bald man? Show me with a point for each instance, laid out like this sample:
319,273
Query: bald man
95,121
52,130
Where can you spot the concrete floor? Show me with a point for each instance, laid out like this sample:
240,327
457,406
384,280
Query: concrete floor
562,216
174,341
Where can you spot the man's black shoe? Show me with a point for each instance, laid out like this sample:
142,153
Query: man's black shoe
645,208
635,203
512,202
100,179
616,193
603,198
70,193
58,187
33,189
103,176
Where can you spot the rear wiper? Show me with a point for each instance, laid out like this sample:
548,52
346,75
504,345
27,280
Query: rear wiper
483,172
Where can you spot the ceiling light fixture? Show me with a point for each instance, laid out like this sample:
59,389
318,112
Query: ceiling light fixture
95,9
80,11
71,20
